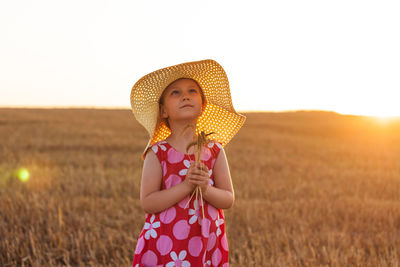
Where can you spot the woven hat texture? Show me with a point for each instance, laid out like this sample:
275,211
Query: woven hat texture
219,115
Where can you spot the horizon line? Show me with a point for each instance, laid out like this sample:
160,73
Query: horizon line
238,111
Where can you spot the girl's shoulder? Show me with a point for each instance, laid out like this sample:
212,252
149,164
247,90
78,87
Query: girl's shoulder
213,142
215,147
160,144
157,148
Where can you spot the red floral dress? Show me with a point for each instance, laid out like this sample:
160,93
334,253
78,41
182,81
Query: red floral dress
179,236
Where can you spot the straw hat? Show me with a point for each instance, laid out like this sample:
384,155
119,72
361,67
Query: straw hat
219,116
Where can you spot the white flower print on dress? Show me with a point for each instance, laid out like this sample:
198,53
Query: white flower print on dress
151,226
210,181
196,212
207,263
162,146
187,165
219,222
211,144
159,144
178,262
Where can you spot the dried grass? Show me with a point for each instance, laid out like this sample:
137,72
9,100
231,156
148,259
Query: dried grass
311,189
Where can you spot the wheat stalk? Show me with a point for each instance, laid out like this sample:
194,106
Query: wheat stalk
199,142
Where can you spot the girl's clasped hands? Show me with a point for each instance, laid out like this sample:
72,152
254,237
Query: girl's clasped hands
198,175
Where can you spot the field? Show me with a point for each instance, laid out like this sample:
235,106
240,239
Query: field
311,189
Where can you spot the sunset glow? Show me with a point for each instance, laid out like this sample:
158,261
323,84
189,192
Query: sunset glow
337,56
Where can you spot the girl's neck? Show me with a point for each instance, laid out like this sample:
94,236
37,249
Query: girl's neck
181,137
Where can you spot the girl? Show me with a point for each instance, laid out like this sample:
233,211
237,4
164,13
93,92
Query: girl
179,229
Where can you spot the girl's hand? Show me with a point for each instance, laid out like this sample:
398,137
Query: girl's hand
187,182
198,175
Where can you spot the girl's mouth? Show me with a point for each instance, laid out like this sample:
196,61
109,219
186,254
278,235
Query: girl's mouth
185,106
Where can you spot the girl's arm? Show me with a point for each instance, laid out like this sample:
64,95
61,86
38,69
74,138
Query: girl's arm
221,195
152,198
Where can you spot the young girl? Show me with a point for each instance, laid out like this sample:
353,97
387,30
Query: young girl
183,229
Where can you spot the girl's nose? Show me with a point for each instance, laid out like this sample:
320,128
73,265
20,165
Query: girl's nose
185,96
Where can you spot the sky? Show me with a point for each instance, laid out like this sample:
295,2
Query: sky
340,56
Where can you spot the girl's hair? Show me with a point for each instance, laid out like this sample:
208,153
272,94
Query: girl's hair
161,101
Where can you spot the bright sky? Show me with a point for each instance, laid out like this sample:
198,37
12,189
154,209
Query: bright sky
340,55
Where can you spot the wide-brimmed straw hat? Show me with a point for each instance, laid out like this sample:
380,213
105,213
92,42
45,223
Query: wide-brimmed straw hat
218,116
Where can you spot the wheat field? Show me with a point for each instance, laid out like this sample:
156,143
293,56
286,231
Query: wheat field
311,189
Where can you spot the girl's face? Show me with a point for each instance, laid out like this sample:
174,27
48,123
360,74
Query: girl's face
182,100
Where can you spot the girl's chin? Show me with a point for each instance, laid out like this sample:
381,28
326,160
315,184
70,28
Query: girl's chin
188,118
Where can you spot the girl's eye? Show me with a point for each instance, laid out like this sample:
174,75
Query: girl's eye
174,92
192,90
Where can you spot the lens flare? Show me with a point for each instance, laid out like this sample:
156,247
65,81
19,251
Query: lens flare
23,174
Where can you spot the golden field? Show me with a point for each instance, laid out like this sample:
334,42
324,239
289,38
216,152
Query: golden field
311,189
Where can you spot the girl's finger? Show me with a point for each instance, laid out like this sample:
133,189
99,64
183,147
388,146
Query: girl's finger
204,167
198,177
199,172
197,182
194,180
203,164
